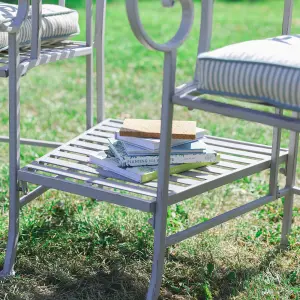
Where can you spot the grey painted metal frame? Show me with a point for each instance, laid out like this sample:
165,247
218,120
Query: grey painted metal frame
290,182
238,159
14,68
185,96
70,160
14,154
36,56
169,48
100,66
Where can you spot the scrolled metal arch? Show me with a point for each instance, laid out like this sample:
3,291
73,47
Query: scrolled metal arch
180,36
21,16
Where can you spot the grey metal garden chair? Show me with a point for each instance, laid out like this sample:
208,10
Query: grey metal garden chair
17,61
265,72
67,168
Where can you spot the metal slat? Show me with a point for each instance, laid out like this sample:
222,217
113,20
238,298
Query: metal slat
90,146
78,158
101,133
106,128
68,164
229,165
61,51
239,152
109,174
56,171
78,150
55,54
183,180
242,160
88,137
214,170
172,187
219,181
95,180
232,145
116,120
89,191
113,123
210,137
199,175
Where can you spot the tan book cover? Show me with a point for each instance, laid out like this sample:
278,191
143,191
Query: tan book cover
151,129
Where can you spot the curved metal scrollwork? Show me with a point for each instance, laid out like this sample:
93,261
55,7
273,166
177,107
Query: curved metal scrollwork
179,38
16,23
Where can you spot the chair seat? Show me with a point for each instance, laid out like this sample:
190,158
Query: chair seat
58,23
260,70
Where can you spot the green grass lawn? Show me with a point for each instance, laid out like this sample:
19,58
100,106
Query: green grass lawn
74,248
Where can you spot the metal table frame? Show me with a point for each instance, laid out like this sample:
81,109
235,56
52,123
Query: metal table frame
67,168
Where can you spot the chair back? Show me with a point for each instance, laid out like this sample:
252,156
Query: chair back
287,16
36,25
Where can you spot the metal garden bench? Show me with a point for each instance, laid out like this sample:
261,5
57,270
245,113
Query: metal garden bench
67,167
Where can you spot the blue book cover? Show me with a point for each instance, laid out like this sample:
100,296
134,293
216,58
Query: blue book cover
193,147
118,150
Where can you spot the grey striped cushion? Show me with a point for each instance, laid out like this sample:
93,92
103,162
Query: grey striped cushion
58,23
260,70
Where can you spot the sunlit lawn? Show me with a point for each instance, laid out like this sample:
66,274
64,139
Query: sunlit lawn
74,248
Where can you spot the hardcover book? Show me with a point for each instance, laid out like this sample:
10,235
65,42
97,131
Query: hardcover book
153,144
197,146
151,129
117,148
140,174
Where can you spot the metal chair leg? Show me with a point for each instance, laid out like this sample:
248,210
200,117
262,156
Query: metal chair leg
14,155
287,220
100,61
89,66
275,158
160,216
290,182
13,232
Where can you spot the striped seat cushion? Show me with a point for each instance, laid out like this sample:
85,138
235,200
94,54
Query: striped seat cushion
260,70
58,23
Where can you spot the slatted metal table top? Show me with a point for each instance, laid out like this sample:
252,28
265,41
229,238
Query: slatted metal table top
52,53
68,169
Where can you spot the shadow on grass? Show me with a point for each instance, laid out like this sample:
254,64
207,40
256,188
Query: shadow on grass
225,282
112,267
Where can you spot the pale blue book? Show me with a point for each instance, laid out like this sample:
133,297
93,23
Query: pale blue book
192,147
124,160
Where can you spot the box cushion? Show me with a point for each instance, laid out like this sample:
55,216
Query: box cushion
58,23
261,70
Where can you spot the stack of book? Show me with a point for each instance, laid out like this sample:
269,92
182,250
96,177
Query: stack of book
134,152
